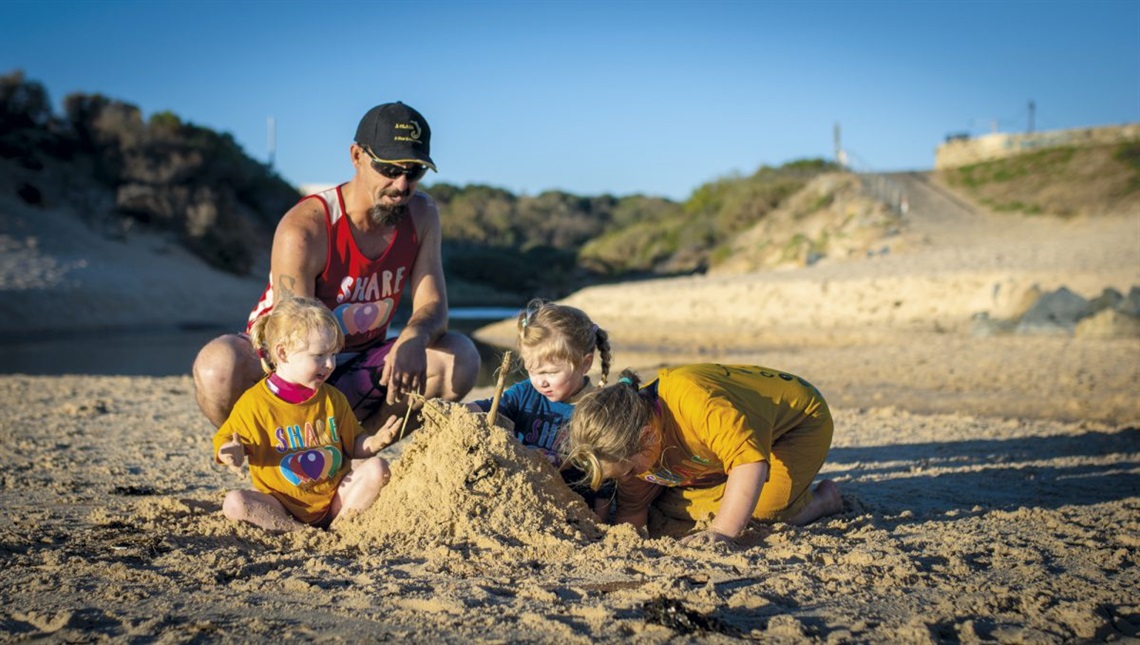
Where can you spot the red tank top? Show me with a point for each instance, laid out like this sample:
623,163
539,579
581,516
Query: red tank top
362,292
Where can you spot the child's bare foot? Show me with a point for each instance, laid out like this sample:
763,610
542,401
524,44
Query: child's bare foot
825,501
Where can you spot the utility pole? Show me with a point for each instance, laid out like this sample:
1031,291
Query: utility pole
271,135
840,156
1032,107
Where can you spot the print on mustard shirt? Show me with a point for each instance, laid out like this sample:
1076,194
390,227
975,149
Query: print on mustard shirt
716,417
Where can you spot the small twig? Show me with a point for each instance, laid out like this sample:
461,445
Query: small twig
407,415
492,415
428,411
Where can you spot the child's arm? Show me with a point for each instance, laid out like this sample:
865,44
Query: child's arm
365,446
638,517
633,499
741,492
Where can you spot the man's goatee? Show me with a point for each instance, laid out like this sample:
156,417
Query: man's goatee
386,215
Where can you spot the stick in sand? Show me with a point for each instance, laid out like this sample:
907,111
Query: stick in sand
492,415
407,414
425,409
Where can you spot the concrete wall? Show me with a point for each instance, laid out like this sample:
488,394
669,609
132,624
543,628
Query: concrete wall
963,152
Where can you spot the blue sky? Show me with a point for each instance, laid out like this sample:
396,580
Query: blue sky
594,97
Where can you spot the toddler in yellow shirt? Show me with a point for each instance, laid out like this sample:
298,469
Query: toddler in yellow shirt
298,432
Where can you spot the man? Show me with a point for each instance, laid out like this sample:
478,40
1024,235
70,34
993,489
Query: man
358,247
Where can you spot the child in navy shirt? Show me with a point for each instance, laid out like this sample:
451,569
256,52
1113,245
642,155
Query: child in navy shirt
557,344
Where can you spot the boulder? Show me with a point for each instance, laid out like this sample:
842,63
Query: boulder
1056,312
1108,323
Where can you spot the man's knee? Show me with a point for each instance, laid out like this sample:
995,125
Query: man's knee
459,365
217,361
223,369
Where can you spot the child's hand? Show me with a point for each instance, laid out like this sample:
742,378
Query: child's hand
384,436
232,453
708,537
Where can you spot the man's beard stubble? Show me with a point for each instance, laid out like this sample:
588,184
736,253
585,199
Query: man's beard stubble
388,215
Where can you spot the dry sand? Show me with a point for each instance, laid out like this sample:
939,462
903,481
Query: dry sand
991,484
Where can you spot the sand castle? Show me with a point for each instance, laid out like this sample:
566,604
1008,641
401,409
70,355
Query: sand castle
463,481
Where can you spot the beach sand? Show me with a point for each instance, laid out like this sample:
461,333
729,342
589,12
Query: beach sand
991,482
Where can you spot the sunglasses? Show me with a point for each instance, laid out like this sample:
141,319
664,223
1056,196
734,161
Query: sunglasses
392,171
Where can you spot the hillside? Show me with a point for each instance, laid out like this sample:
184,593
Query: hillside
119,183
1065,181
831,217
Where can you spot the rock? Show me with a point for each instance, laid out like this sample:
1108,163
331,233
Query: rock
1109,298
1108,323
1131,304
1056,312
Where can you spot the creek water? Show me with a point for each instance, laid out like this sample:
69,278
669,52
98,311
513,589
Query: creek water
170,351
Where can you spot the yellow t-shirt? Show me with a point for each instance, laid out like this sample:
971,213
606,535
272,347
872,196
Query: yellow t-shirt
716,417
297,452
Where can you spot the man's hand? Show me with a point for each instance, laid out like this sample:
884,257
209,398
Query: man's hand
232,453
384,436
707,537
405,370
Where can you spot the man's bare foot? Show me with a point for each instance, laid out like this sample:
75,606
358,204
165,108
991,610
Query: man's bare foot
825,501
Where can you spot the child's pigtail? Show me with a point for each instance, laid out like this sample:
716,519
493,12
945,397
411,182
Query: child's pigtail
257,339
630,378
603,343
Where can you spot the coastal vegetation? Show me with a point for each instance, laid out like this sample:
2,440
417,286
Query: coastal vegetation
1063,181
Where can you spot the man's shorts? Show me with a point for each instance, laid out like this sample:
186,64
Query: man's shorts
357,376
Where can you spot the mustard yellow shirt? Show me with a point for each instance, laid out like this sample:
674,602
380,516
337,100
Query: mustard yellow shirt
297,452
716,417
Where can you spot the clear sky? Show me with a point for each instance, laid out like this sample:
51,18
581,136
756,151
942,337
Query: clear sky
648,97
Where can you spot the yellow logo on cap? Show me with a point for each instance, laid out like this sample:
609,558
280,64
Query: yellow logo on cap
413,136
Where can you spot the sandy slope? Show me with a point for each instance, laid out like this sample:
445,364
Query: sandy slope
991,484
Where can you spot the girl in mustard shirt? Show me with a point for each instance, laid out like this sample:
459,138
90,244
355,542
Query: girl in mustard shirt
298,432
727,442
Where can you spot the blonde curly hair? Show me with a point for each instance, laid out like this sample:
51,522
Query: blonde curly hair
606,426
550,331
289,323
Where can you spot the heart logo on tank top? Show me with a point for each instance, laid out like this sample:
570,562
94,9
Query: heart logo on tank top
363,317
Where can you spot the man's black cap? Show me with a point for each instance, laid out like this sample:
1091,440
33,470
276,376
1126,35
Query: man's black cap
396,133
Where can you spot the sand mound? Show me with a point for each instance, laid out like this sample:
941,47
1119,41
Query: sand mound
462,481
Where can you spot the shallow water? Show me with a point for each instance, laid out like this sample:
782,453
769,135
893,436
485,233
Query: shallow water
171,351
